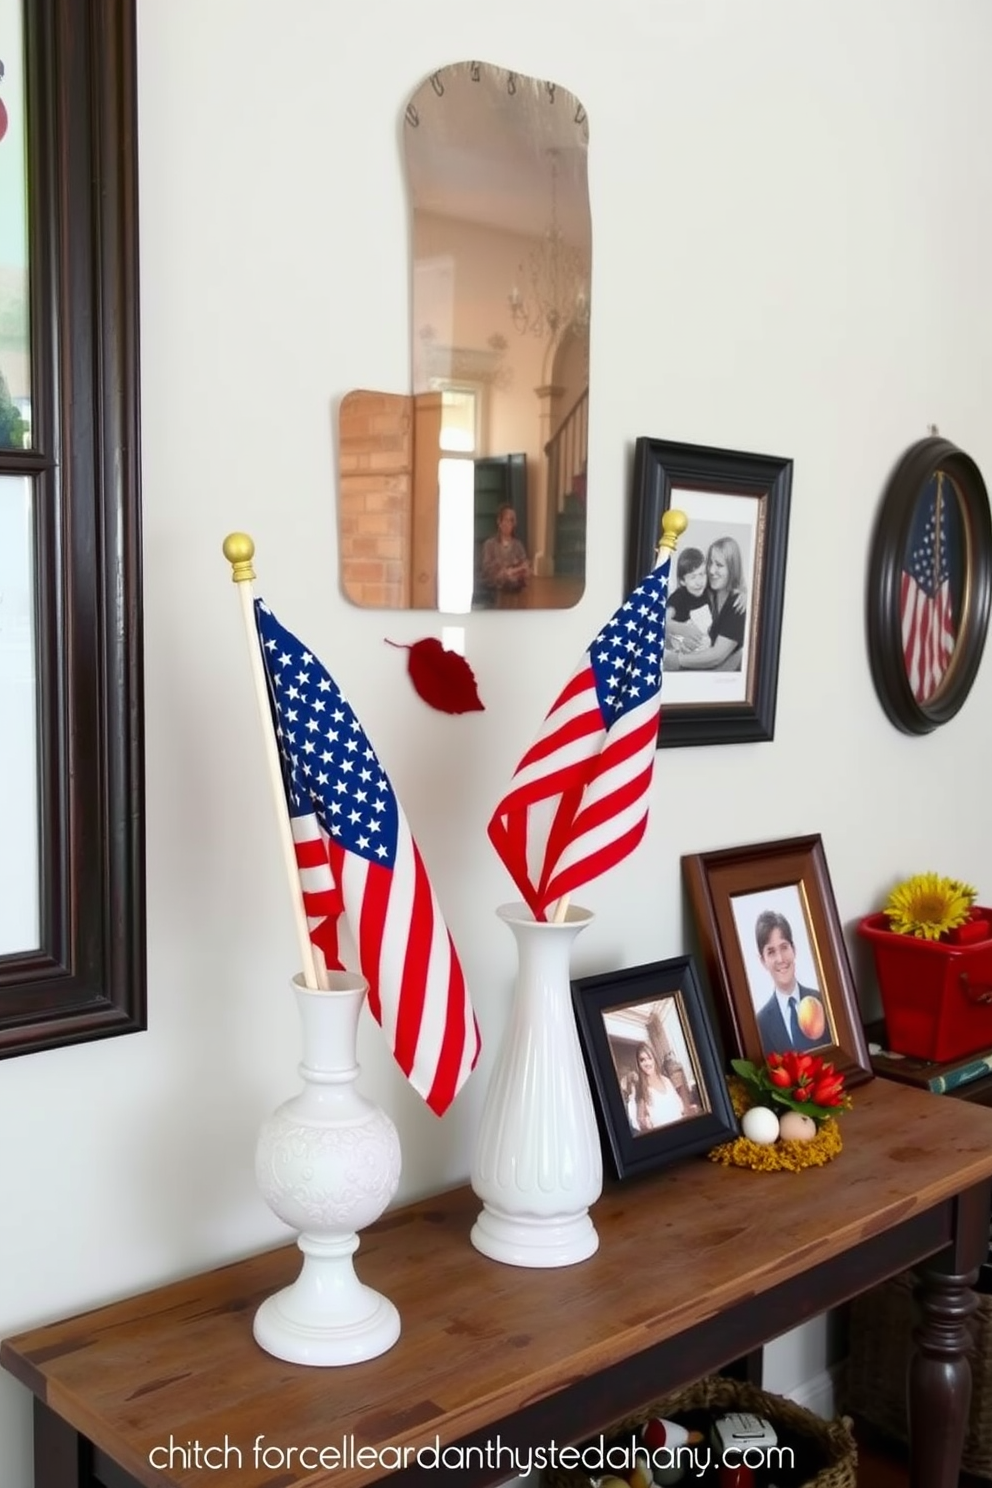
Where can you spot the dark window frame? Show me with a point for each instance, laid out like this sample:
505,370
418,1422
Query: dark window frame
87,978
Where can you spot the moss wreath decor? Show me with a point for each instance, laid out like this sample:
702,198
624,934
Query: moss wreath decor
801,1083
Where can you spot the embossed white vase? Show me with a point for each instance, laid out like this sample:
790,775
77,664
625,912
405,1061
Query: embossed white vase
538,1163
328,1163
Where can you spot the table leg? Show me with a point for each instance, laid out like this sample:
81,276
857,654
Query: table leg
60,1453
939,1393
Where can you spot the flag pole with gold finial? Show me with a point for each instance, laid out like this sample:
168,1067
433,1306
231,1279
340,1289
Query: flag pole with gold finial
239,550
673,524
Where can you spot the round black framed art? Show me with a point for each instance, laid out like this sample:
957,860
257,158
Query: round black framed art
929,585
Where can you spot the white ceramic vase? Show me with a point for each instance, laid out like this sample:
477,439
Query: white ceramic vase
328,1163
538,1163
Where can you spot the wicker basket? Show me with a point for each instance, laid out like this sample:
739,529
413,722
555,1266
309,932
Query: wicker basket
825,1450
880,1339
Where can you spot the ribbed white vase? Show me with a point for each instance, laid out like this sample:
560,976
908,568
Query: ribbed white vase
328,1163
538,1164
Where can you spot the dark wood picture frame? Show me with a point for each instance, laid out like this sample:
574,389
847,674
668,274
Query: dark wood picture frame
728,890
661,467
920,683
86,977
670,988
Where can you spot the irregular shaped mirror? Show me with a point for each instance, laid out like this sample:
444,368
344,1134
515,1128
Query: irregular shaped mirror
471,493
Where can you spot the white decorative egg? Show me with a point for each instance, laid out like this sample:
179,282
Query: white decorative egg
760,1125
795,1127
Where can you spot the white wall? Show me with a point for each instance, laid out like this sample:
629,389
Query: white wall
791,256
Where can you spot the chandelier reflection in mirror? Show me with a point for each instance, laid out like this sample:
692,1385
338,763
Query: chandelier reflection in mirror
484,462
557,275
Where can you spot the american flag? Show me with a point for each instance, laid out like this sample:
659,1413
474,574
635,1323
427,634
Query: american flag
356,855
578,802
925,604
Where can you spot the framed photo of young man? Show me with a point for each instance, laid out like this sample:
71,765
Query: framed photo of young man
774,950
724,615
653,1064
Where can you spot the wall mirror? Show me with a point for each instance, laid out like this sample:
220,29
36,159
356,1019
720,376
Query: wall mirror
470,493
929,585
72,935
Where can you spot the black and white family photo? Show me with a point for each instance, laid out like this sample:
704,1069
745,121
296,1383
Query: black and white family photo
707,618
726,585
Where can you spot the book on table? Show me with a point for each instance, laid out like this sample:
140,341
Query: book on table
925,1074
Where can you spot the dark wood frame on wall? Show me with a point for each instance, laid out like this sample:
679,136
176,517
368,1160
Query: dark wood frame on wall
660,465
890,545
86,979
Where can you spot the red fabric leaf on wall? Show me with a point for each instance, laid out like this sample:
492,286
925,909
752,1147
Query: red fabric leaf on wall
442,678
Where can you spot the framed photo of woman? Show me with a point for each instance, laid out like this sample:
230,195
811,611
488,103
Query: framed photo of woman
653,1065
724,616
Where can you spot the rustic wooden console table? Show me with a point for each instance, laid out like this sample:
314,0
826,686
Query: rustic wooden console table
696,1266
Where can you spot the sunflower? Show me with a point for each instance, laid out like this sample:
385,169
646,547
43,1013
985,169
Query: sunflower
927,905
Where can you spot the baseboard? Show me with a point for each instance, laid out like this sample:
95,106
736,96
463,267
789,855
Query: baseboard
819,1394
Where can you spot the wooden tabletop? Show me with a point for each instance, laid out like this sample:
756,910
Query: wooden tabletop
481,1340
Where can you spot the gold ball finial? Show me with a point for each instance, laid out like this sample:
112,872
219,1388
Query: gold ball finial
673,524
239,550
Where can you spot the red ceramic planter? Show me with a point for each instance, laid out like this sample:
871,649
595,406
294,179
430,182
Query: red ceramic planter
936,995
